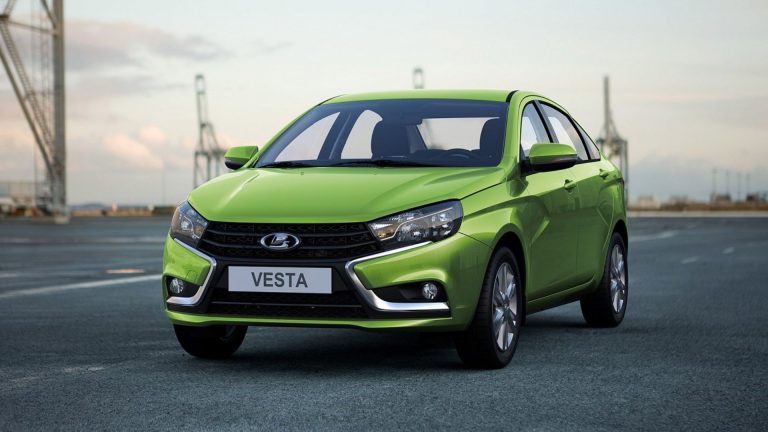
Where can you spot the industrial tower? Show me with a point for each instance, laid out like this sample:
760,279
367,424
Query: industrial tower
611,143
208,155
41,93
418,78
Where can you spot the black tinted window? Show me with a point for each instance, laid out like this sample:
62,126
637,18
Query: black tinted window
532,129
594,153
431,132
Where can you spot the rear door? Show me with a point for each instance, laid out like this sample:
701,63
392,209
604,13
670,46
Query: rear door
553,240
604,180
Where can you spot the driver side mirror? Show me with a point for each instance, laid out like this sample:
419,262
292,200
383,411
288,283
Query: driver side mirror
236,157
551,157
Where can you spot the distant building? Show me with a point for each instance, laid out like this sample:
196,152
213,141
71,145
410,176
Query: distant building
22,193
646,202
7,206
679,200
720,198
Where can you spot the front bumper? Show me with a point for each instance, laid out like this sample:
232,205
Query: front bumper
457,263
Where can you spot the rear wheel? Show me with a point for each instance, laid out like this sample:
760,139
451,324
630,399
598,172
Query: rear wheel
491,338
212,342
607,305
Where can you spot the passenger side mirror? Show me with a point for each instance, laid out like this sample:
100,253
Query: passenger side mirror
236,157
551,157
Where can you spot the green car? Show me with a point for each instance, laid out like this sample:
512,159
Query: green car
429,211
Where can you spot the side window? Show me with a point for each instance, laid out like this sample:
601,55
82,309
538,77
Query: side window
594,153
564,130
358,145
307,145
532,129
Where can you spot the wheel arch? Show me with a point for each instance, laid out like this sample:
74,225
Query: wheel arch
511,240
621,228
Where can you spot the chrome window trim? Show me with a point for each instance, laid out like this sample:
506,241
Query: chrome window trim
384,306
195,299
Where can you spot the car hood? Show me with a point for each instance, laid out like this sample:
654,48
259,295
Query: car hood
333,194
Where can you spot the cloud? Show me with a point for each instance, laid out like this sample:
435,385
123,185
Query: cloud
132,152
265,48
149,148
152,135
14,139
99,45
17,147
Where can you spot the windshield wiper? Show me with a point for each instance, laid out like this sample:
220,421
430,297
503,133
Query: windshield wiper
288,164
385,163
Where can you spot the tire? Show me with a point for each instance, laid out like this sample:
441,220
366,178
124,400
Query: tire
607,305
481,345
212,342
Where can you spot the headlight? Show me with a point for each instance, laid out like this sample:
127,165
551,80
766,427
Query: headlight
430,223
187,225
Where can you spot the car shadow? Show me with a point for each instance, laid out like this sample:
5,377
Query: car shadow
342,351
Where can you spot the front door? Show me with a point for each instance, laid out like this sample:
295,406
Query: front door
551,206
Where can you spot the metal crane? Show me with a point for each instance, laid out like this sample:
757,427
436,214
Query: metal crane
41,97
611,143
208,155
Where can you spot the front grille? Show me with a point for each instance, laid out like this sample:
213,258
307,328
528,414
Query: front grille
339,304
318,241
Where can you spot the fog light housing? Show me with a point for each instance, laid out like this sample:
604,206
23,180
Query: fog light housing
180,288
176,286
429,290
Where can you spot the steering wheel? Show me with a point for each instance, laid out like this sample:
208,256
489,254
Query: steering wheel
458,153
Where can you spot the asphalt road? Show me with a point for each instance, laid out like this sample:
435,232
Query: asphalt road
79,353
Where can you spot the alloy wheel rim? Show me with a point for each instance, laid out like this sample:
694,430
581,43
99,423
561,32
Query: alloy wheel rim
505,321
618,280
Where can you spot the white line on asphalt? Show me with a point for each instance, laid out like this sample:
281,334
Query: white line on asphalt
70,240
658,236
698,214
726,251
76,286
689,260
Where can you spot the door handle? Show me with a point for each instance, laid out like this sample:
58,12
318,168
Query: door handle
604,173
569,185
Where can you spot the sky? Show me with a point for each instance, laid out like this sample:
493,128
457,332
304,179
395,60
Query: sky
689,79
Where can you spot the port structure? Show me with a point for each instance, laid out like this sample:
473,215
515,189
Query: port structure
209,155
37,80
613,146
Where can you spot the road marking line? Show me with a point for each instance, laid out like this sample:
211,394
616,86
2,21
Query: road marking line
647,237
726,251
689,260
76,286
126,271
698,214
70,240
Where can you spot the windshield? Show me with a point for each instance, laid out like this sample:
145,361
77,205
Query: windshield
412,132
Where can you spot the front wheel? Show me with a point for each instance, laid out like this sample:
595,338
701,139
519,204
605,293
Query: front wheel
211,342
607,305
491,339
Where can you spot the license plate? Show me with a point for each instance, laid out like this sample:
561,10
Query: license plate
307,280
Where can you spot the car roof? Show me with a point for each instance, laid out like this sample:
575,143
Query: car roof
485,95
